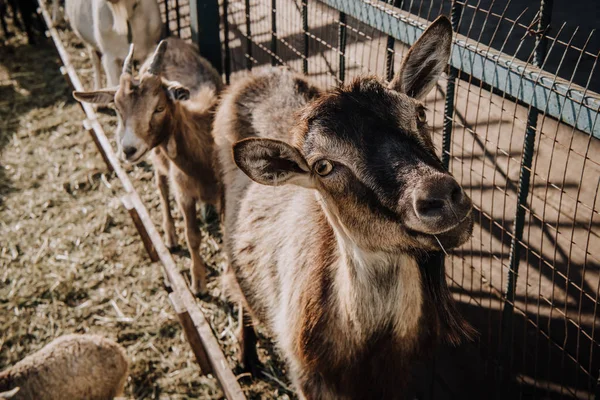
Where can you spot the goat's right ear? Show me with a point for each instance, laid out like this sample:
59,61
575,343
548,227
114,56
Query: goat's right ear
271,162
425,61
102,96
177,91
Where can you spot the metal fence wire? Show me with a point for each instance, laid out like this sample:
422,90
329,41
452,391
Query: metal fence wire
516,121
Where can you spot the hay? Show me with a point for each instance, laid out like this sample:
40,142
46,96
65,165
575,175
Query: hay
70,258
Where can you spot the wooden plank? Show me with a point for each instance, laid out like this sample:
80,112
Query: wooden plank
193,318
191,334
105,158
217,359
128,204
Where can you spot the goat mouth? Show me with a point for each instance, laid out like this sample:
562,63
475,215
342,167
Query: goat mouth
449,238
136,158
445,230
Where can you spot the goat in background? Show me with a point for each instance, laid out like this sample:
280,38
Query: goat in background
169,109
109,26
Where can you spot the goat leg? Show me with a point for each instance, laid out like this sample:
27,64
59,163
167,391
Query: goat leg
193,237
56,17
95,59
162,183
112,68
247,341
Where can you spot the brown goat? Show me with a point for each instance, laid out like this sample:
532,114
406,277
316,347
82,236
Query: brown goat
336,219
169,110
74,367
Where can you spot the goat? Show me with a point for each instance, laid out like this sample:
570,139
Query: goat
342,263
104,25
71,367
170,109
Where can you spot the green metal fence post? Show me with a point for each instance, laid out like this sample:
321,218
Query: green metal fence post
389,55
204,22
248,36
274,32
522,195
450,89
342,48
305,34
227,53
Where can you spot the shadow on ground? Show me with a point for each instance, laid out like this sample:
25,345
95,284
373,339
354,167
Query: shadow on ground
29,79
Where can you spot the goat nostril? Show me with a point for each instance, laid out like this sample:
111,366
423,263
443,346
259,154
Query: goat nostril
129,151
456,194
429,207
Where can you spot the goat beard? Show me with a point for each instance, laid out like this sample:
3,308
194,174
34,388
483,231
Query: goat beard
120,17
454,328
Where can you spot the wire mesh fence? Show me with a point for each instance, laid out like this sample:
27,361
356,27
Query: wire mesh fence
176,16
515,120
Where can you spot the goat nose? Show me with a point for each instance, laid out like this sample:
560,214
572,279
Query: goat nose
129,151
438,198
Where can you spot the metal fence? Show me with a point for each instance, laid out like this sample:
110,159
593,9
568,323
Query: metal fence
516,121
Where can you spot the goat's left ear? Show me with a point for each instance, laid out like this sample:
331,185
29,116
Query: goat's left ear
271,162
177,91
425,61
102,96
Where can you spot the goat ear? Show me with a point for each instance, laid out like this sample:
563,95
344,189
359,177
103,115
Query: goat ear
177,91
102,96
425,61
271,162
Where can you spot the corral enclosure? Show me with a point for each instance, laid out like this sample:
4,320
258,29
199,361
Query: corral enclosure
515,120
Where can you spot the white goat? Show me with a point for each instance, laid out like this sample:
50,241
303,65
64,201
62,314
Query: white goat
70,367
107,27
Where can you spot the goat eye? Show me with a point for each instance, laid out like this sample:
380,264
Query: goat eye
323,167
135,5
159,109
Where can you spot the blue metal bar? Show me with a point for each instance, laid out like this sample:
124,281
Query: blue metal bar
525,83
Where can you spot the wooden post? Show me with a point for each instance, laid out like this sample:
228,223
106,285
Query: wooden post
88,127
139,225
191,334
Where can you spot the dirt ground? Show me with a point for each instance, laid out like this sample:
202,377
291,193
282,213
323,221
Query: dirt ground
70,258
